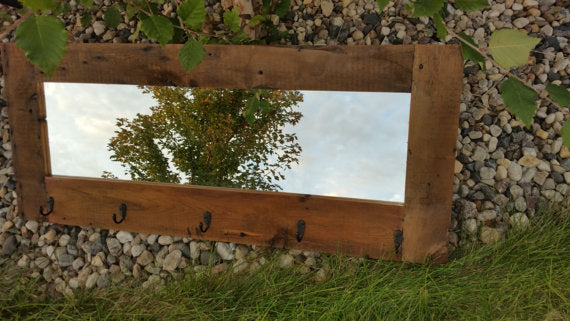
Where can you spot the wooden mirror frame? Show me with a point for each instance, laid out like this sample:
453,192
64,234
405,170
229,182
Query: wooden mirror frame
432,73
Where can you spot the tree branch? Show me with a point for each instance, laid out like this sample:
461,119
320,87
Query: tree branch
14,25
504,71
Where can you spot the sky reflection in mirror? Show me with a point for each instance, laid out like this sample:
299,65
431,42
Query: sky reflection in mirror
354,143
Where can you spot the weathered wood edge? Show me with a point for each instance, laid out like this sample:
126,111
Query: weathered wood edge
26,123
340,68
434,113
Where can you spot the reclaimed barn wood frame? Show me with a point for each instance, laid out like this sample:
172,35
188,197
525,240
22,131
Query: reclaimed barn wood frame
432,73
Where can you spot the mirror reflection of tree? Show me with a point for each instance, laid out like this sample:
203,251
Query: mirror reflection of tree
213,137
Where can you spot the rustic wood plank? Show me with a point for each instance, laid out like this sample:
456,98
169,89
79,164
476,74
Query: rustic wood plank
354,68
434,113
23,99
353,227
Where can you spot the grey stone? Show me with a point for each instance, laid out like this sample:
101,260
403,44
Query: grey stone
469,209
124,237
286,261
103,281
64,240
487,173
520,204
519,220
224,251
515,172
205,258
32,226
172,260
566,163
165,240
495,130
77,263
479,154
241,252
327,7
145,258
470,226
540,177
91,280
516,191
9,246
490,235
114,246
528,175
24,261
65,260
137,250
194,250
42,262
74,283
99,27
487,215
116,274
151,239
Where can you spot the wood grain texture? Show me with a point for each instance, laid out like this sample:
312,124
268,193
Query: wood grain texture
26,121
354,68
434,114
353,227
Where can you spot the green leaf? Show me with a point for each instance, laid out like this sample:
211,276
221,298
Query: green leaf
440,26
382,4
131,11
519,99
565,133
86,3
61,7
112,17
158,27
86,20
257,19
39,4
282,8
266,6
559,94
426,8
471,5
43,40
470,53
231,20
137,31
240,37
265,106
191,54
193,13
511,48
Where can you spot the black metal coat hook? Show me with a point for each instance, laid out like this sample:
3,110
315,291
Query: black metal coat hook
300,230
207,221
398,240
50,207
122,212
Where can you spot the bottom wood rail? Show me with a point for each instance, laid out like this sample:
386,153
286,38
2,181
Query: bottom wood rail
331,225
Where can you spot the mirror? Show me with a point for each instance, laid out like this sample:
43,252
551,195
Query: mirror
352,144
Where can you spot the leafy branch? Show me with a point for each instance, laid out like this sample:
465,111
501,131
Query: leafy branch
509,48
503,70
43,37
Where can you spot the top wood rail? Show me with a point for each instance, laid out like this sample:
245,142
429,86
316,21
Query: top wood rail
337,68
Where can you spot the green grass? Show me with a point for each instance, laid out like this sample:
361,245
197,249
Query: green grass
526,277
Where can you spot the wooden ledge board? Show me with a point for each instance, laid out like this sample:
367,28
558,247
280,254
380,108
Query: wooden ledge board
432,73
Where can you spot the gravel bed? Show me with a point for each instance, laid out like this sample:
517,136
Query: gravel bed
503,171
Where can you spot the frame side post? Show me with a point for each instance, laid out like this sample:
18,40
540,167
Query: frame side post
434,113
26,120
